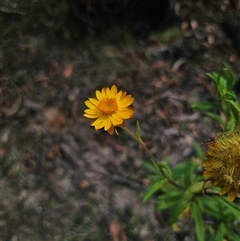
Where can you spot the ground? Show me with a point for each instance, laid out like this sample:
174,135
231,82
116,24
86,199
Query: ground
61,180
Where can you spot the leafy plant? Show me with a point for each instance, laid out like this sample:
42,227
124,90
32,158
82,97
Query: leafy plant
226,102
183,189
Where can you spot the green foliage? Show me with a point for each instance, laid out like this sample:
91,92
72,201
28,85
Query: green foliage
197,216
226,215
226,100
180,188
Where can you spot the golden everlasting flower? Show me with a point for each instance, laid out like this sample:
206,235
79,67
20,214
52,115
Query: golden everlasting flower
109,109
222,165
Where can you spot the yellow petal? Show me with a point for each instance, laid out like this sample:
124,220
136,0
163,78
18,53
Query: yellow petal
99,95
219,182
225,189
91,116
113,91
89,104
119,95
104,92
94,101
209,174
232,195
128,100
107,124
125,113
124,93
92,113
116,120
99,120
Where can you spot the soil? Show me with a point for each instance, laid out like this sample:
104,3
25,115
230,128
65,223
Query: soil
60,179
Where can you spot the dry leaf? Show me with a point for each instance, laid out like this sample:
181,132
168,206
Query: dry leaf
116,232
55,117
67,71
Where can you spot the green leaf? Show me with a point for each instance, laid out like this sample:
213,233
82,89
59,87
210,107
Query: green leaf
188,175
230,96
230,125
138,132
165,168
177,209
168,199
197,216
213,76
229,76
152,189
234,105
219,234
179,170
199,151
204,105
231,235
150,166
233,208
215,117
209,205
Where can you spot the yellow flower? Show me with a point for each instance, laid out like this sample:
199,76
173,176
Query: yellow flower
222,165
109,109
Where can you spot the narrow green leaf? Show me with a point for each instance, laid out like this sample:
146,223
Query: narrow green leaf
230,125
188,173
231,235
234,105
198,150
215,117
177,210
150,166
138,132
233,208
178,172
209,205
168,199
165,168
204,105
152,189
196,213
230,96
219,233
213,76
229,76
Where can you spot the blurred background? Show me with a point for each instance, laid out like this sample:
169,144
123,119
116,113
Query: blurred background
60,179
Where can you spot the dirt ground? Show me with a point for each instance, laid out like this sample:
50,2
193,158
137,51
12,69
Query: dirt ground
60,179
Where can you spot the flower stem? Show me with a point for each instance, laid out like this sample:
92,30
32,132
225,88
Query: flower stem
155,162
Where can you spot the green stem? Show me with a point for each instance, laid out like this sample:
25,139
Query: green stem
153,159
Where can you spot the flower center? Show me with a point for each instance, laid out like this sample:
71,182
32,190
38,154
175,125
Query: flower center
108,106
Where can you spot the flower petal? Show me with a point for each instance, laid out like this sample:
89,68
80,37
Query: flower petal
225,189
111,130
128,100
115,120
107,124
232,195
99,95
89,104
94,101
113,91
125,113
